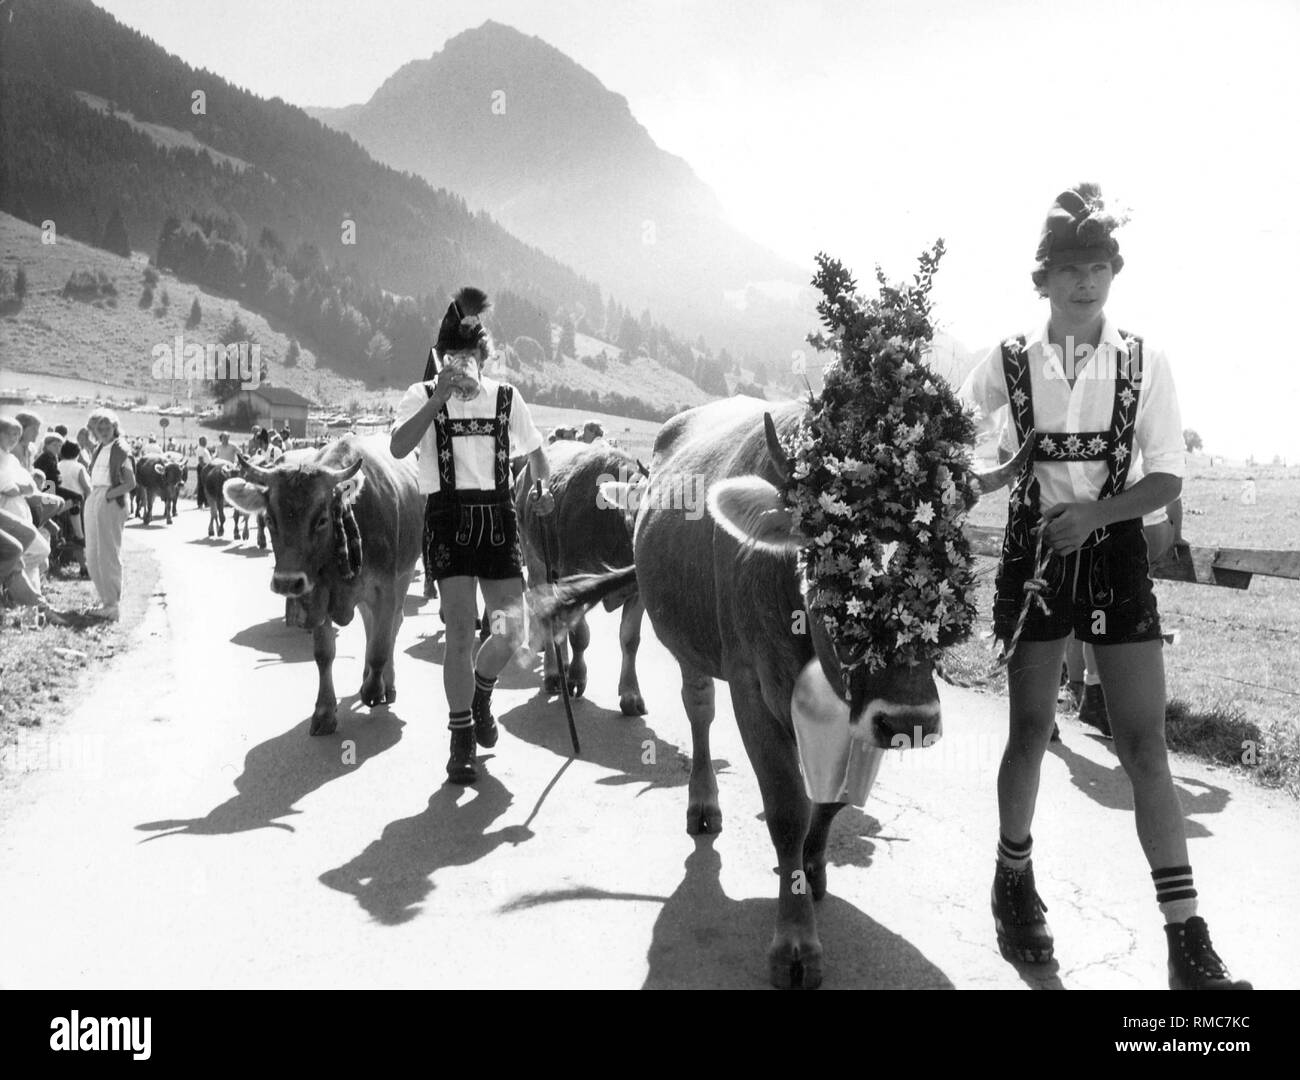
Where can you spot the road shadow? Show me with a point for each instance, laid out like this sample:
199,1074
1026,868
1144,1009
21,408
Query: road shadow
282,771
283,644
704,940
431,648
1109,787
393,876
625,744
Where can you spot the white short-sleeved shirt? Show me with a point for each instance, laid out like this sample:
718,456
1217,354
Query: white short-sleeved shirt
474,456
12,472
1088,406
225,452
70,472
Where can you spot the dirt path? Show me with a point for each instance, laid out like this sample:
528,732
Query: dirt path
193,835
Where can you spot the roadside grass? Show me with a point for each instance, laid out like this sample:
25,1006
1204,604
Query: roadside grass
1233,677
45,673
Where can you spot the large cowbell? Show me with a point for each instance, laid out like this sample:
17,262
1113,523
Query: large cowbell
839,760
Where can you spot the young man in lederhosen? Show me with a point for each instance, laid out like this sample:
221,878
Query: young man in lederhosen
468,427
1100,408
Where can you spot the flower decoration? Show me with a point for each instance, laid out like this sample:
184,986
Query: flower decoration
881,477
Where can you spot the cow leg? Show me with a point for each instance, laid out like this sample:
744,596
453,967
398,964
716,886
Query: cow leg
379,647
795,955
630,702
579,638
261,531
147,502
323,719
238,516
390,672
702,812
814,847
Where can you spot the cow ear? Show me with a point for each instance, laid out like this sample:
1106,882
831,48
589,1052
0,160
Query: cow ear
350,488
753,511
248,497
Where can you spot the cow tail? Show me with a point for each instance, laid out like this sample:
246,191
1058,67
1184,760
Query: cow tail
565,601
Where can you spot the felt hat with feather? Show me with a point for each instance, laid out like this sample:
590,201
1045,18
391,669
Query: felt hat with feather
461,327
1079,228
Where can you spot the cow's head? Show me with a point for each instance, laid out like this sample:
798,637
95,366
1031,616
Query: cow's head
897,701
298,502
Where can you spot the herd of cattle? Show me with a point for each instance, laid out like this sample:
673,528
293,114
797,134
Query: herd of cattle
721,589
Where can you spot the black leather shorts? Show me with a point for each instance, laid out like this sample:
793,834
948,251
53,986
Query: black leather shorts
471,534
1102,594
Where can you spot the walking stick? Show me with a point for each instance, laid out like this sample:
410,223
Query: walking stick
551,578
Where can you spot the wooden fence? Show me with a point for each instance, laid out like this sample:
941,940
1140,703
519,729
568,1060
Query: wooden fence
1230,568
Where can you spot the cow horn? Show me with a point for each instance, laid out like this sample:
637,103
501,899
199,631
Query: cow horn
779,458
640,467
253,472
339,476
1004,474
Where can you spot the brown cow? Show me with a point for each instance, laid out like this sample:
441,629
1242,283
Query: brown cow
313,568
723,592
586,534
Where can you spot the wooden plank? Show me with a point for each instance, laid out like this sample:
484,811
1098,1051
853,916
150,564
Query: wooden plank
1230,568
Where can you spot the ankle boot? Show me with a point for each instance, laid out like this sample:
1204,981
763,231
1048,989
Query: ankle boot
1092,710
1023,934
485,725
460,766
1193,963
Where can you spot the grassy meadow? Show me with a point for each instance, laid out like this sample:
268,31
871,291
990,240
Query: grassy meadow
1233,676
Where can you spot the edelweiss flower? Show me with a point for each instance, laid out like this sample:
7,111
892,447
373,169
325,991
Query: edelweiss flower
825,538
855,607
1120,453
924,514
1019,397
930,631
1096,444
832,505
1126,396
1073,444
1048,444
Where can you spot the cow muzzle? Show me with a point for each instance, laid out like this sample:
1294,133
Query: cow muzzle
293,585
898,708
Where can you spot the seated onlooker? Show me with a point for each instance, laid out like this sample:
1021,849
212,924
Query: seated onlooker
22,583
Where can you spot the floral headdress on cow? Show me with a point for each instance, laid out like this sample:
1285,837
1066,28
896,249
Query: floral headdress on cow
881,478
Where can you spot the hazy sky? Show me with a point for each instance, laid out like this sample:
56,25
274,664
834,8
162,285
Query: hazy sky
868,128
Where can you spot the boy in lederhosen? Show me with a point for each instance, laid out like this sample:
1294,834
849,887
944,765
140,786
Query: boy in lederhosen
1099,405
468,427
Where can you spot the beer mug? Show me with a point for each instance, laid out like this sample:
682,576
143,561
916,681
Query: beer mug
465,365
839,760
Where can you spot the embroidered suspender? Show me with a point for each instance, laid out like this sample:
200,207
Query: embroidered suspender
1114,446
445,428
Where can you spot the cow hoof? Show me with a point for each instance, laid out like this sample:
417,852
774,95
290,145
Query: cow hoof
261,542
630,704
703,819
794,963
372,692
551,684
815,872
390,695
577,689
324,722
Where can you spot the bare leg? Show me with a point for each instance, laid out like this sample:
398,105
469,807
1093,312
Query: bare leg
1034,677
1133,679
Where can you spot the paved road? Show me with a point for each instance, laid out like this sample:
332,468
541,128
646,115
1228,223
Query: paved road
189,833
